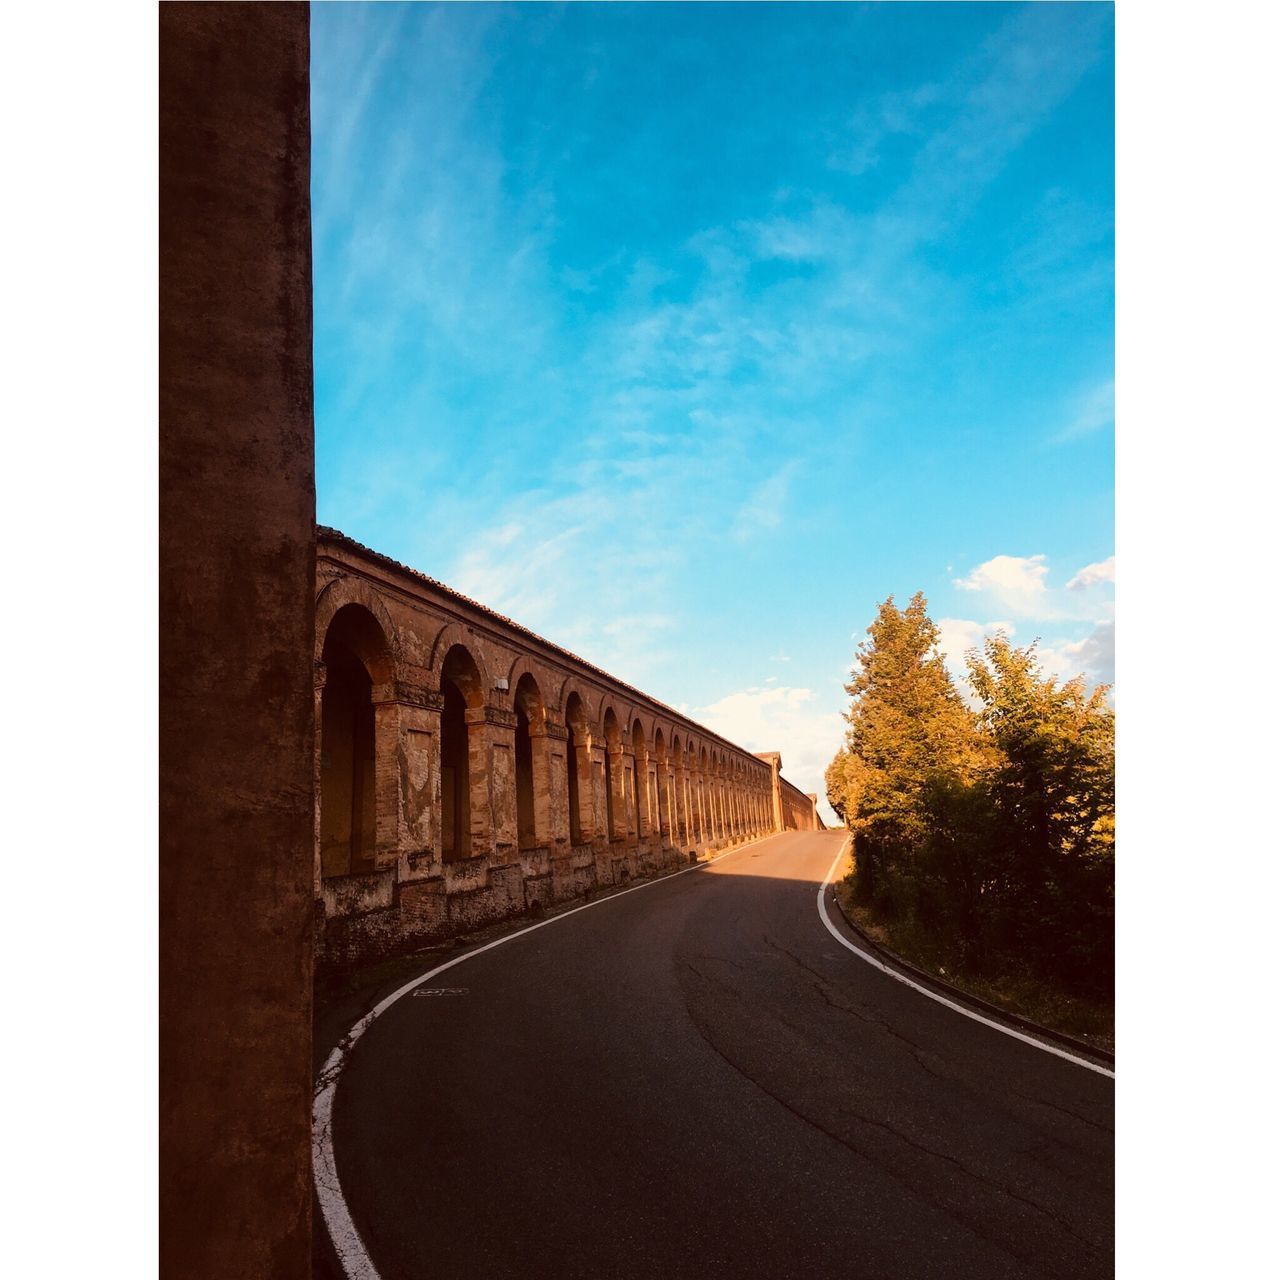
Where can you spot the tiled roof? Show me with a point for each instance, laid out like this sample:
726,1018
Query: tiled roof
336,535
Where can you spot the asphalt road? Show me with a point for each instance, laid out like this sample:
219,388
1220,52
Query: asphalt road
697,1080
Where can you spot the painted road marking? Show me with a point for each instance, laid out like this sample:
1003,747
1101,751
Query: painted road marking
877,963
441,991
347,1244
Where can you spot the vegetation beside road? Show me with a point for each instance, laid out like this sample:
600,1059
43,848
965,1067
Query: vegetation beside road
984,834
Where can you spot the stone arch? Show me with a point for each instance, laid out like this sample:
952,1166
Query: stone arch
455,635
610,726
570,685
344,593
523,664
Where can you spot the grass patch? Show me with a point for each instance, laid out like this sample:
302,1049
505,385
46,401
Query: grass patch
1092,1021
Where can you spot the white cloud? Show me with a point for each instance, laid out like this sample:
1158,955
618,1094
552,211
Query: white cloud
1094,656
1092,574
786,719
958,636
1015,583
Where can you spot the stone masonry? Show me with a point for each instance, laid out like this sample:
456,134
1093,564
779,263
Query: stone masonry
469,771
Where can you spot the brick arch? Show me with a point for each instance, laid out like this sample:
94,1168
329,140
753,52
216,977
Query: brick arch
346,591
605,707
527,666
534,701
592,712
624,711
454,633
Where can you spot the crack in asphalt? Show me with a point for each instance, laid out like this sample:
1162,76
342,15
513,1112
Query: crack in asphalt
973,1227
823,987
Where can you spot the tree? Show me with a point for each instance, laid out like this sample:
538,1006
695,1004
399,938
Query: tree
992,830
907,726
1053,794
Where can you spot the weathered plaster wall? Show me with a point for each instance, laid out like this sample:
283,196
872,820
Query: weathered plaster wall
237,511
478,717
800,809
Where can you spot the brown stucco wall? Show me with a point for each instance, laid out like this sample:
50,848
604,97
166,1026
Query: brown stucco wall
237,509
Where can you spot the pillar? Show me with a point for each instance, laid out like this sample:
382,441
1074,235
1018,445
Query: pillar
551,784
237,633
491,749
406,752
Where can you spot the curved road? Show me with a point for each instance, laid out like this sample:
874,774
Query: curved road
697,1080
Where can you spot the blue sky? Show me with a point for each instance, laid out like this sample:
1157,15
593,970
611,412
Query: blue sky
685,334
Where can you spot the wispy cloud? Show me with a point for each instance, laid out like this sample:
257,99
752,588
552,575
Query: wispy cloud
764,509
579,431
1093,574
1094,409
781,718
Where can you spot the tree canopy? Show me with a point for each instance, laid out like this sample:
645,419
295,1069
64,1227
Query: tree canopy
990,825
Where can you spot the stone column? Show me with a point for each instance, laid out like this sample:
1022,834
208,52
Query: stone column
774,761
598,752
653,781
666,816
641,796
491,744
406,749
236,594
686,826
320,676
551,784
590,824
618,770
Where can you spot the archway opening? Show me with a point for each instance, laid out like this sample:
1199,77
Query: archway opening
612,747
529,716
639,784
461,685
575,719
661,800
355,652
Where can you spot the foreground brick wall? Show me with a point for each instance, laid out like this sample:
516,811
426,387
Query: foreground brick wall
573,780
237,611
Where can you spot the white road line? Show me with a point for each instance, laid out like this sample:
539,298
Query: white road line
347,1243
877,963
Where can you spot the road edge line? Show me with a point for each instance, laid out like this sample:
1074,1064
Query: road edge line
877,963
348,1246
